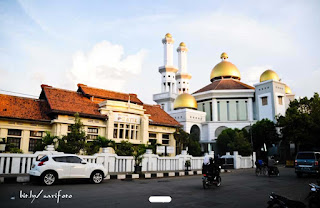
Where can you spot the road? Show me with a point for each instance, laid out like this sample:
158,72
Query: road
240,188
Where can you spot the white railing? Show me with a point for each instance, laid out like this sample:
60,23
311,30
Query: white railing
241,161
21,163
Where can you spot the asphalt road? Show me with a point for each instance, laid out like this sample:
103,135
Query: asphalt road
240,188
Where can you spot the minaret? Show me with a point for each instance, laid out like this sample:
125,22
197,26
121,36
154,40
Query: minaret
168,71
168,77
183,78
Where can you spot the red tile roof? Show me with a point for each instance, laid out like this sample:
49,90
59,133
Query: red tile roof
159,116
225,84
107,94
23,108
70,102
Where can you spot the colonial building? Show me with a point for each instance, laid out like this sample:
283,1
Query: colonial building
114,115
225,102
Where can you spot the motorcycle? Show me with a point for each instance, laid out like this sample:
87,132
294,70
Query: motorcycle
209,179
314,196
282,202
273,171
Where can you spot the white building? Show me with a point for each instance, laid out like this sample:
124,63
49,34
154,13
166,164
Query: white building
226,102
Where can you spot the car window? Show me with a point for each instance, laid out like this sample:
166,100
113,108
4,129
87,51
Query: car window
45,158
305,156
60,159
73,159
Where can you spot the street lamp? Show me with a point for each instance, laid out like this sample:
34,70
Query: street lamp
251,143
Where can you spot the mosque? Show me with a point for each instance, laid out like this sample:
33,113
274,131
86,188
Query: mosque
225,102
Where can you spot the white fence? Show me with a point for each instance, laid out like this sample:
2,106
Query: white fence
21,163
241,161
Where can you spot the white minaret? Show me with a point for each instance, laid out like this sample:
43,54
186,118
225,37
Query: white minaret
168,71
183,78
168,77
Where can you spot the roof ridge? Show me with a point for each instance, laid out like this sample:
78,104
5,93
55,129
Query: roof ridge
35,99
244,84
218,84
57,88
106,90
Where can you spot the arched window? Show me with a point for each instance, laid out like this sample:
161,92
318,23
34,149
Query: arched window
195,132
219,130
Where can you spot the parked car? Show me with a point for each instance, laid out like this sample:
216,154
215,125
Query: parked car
50,168
307,163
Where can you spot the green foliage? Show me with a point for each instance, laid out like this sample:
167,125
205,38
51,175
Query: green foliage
301,123
194,147
125,148
12,148
187,163
48,139
263,132
183,140
94,146
75,140
138,151
234,140
15,150
3,141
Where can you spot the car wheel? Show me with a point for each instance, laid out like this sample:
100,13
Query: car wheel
49,178
96,177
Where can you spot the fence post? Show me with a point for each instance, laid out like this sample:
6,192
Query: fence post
236,160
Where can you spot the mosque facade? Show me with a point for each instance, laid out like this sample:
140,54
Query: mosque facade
225,102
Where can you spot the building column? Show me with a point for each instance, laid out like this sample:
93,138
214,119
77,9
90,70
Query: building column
250,109
214,109
24,143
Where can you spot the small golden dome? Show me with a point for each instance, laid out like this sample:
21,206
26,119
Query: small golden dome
185,100
182,44
168,35
288,90
224,55
225,69
268,75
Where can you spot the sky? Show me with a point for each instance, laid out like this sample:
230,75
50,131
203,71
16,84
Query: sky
116,45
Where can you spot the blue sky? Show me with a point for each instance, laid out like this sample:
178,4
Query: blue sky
117,44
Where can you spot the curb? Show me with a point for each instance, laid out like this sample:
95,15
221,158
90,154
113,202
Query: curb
123,176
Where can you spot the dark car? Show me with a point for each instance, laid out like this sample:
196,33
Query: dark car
307,163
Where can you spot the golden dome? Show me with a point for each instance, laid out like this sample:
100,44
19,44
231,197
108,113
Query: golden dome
168,35
185,100
268,75
288,90
224,55
225,69
182,44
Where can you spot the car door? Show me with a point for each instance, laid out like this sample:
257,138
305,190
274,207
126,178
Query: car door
77,169
62,166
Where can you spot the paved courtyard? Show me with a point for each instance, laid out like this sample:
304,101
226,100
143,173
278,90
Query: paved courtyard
240,188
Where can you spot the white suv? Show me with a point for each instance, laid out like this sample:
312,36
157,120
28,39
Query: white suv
50,168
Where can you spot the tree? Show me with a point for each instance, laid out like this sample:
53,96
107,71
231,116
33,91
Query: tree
125,148
48,139
138,151
94,146
75,140
263,132
194,147
301,123
182,139
234,140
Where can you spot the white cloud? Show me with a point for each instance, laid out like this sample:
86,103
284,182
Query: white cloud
251,76
105,66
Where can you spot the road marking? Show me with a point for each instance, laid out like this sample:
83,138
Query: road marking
160,199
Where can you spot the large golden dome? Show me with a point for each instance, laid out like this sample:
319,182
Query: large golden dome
185,100
168,35
288,90
225,69
268,75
